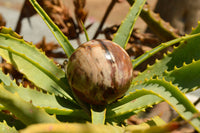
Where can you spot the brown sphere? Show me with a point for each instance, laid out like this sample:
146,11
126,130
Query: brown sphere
99,72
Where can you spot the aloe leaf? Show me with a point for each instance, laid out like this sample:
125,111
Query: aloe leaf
10,32
161,28
58,105
23,110
98,114
6,79
2,107
61,38
148,54
169,93
73,128
123,34
119,111
145,128
9,120
187,77
34,65
154,122
4,128
187,51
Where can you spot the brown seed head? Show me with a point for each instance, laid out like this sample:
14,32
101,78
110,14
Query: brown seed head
99,72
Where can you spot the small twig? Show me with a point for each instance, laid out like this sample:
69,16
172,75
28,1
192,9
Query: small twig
98,114
24,14
197,101
110,7
85,31
78,40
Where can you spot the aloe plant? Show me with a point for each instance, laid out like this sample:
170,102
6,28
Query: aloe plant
44,111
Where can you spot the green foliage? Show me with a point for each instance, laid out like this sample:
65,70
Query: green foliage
169,93
10,121
73,128
61,38
4,128
183,77
152,126
148,54
23,110
185,53
123,34
29,60
167,80
161,28
85,31
58,105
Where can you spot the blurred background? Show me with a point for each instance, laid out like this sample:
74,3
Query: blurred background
10,10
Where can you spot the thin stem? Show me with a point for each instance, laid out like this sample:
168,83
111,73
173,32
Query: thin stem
85,31
98,114
110,7
197,101
150,53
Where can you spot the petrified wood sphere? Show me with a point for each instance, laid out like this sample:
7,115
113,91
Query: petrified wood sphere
99,72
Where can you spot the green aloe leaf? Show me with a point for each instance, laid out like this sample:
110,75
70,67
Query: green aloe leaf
61,38
187,77
186,52
154,122
119,111
150,53
58,105
23,110
33,63
160,27
4,128
145,128
123,34
166,91
73,128
11,121
93,128
6,79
